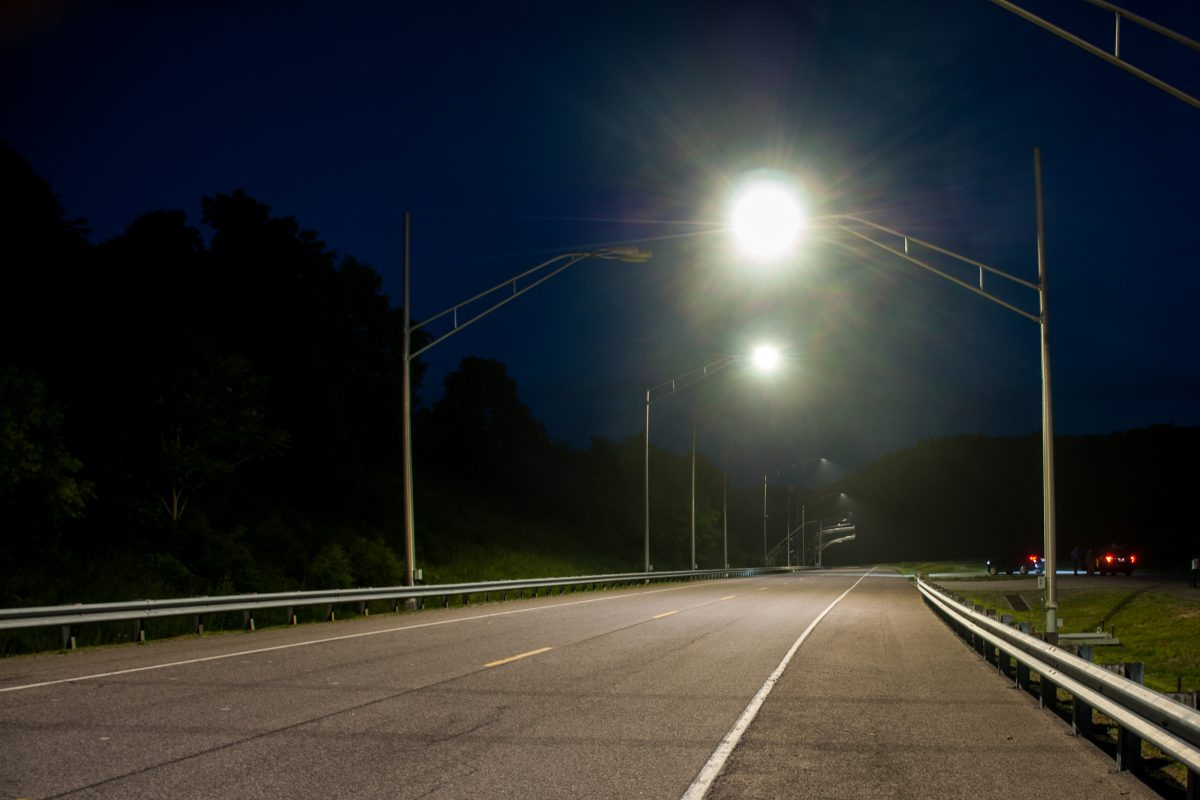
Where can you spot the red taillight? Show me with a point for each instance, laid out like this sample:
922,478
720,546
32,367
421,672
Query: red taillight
1132,558
1033,559
1108,558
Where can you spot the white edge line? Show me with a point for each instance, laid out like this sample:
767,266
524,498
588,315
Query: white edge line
344,637
716,761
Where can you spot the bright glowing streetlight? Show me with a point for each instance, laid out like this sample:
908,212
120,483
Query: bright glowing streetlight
767,219
766,357
755,212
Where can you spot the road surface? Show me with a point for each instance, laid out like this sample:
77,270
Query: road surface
856,690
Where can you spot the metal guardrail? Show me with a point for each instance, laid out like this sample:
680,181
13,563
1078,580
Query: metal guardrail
138,611
1140,713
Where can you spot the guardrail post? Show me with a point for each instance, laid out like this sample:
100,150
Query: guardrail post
248,620
1046,692
329,615
991,652
198,624
1004,661
1193,786
363,611
68,638
1022,669
291,615
1081,712
1129,746
139,632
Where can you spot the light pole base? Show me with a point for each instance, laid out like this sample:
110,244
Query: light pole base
410,604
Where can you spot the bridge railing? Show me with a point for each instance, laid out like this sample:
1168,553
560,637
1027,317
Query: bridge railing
68,617
1140,713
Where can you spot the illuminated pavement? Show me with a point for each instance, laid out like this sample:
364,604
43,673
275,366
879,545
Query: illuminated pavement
614,694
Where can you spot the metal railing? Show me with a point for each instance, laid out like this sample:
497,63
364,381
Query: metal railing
1140,713
68,617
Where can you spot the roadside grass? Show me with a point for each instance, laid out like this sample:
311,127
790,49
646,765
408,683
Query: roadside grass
1162,631
939,567
469,563
496,562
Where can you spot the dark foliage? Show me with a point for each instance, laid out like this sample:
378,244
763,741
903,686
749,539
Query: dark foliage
209,411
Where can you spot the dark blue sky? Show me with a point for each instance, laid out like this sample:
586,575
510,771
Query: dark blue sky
516,131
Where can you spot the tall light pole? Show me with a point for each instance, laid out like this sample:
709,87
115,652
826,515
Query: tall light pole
693,561
461,315
765,357
406,426
1048,523
764,520
759,241
725,504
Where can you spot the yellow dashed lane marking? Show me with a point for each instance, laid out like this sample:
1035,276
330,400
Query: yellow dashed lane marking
729,597
517,658
764,588
665,614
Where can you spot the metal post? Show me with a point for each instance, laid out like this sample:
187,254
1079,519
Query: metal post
788,529
725,504
647,482
406,428
803,534
1048,525
693,562
764,520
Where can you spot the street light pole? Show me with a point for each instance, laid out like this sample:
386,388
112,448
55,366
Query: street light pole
693,494
869,232
764,520
725,504
534,277
646,481
803,529
410,604
1048,521
678,384
788,526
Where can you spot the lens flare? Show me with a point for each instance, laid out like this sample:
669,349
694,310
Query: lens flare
766,358
767,219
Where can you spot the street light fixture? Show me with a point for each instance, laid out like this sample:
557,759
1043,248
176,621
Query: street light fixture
767,218
513,288
869,231
763,359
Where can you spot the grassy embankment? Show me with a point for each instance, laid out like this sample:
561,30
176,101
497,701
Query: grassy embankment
1159,629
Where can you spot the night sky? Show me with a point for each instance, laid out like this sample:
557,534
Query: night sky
513,132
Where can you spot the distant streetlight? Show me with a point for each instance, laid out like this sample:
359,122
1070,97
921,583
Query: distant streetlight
764,363
514,287
789,530
776,209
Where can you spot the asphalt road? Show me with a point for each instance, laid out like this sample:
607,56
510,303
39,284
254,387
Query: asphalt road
635,693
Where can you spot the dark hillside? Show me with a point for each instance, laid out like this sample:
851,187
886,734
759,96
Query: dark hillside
968,496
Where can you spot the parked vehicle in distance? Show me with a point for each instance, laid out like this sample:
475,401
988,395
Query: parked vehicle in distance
1024,563
1113,559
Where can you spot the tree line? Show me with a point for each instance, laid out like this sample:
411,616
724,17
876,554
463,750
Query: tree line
216,409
